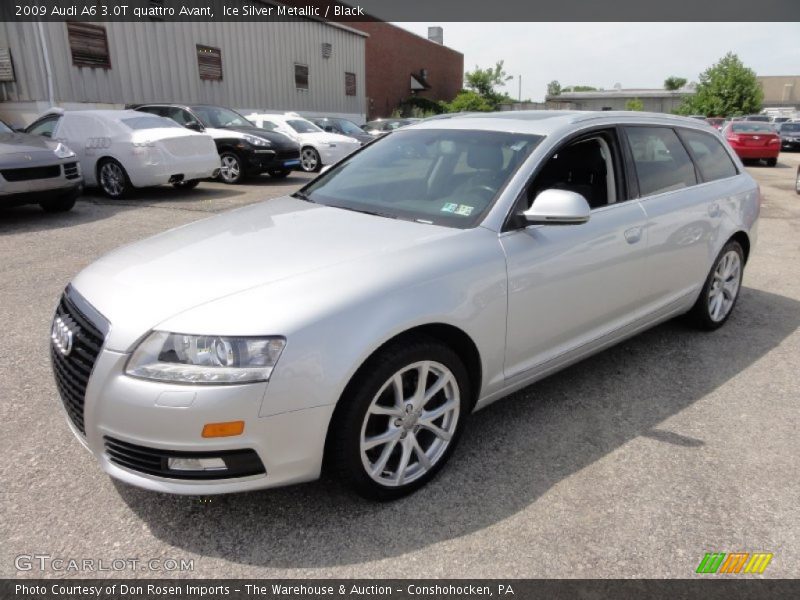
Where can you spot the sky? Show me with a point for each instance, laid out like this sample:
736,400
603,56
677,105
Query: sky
635,55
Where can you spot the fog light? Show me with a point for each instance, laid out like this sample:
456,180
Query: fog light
196,464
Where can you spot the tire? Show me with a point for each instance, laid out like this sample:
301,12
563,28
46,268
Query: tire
771,162
232,168
709,313
279,173
186,184
371,410
112,179
57,205
310,161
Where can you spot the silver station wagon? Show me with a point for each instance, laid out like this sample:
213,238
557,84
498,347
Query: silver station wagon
353,326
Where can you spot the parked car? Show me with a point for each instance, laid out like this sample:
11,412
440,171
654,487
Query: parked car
383,126
778,120
342,127
244,149
318,148
753,140
758,118
34,170
716,122
790,135
363,318
120,150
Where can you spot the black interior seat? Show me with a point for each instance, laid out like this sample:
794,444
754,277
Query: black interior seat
579,168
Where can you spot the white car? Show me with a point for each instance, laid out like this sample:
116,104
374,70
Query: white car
123,149
318,148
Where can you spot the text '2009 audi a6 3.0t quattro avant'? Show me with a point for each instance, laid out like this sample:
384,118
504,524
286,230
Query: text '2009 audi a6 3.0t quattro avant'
358,322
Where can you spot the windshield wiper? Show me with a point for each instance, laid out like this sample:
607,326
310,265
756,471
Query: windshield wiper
300,195
366,212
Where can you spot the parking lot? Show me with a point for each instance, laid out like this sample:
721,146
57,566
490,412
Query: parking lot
633,463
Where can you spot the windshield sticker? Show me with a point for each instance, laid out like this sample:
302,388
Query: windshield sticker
464,210
449,207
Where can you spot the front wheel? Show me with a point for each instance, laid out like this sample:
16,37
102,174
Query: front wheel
113,179
721,289
400,420
231,168
309,160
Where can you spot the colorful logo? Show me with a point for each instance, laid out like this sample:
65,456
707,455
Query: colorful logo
734,562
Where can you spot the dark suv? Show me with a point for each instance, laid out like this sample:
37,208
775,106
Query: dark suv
244,149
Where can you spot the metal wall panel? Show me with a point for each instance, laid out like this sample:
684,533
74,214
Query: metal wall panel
156,61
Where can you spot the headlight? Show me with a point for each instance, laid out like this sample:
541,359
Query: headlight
63,151
178,358
257,141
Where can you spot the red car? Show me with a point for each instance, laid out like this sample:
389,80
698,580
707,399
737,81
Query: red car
754,140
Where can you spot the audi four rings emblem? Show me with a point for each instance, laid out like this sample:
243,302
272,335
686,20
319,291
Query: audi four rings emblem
61,336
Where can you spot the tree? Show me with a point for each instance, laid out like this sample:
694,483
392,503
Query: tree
468,101
553,88
725,89
580,88
674,83
484,81
634,104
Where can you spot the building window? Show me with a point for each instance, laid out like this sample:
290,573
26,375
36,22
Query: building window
209,63
350,84
301,77
89,45
6,65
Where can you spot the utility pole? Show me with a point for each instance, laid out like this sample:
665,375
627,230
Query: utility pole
520,89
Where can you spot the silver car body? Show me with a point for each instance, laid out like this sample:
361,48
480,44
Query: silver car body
339,284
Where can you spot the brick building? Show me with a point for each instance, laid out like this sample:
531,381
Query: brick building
400,64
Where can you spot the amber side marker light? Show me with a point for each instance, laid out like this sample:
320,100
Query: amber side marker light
230,428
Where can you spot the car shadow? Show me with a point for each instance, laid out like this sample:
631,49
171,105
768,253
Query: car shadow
510,455
294,179
30,217
166,193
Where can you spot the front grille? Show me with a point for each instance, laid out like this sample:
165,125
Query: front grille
72,371
31,173
287,154
71,170
154,461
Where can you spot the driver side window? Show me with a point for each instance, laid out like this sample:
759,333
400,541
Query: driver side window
587,166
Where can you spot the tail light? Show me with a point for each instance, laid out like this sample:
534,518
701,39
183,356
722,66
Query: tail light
774,140
734,139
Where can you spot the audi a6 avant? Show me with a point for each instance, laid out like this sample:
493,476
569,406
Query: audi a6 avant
354,325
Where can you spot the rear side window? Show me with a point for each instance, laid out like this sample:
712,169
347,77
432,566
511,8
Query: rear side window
712,160
662,164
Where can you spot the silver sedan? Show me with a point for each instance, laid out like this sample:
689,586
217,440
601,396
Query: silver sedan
353,326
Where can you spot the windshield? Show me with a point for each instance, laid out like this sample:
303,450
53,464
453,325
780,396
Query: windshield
303,126
215,116
443,177
5,128
752,127
269,126
149,122
350,127
790,127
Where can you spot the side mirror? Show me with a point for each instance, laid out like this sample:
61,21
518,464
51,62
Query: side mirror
558,207
195,126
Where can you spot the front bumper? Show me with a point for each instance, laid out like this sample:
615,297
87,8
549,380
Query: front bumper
259,160
171,417
790,144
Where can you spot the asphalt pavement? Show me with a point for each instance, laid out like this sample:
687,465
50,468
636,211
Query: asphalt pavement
633,463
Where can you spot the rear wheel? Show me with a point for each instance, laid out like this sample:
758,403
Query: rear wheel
231,168
400,420
309,160
771,162
186,184
721,289
57,205
279,173
113,179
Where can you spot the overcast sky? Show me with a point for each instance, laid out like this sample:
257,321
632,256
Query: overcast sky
636,55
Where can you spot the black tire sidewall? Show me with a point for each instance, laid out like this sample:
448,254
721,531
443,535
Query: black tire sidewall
345,452
700,309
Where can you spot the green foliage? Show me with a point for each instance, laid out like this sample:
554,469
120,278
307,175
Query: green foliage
468,101
634,104
674,83
553,88
416,106
483,83
727,88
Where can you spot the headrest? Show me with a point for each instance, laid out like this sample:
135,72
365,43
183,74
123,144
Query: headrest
485,157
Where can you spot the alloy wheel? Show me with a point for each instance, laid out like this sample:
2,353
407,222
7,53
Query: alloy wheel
410,423
724,286
230,169
309,160
112,179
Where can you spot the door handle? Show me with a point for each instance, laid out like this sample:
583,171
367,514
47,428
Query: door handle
713,209
633,235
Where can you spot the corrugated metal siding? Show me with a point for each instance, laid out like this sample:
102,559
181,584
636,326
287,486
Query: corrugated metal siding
156,61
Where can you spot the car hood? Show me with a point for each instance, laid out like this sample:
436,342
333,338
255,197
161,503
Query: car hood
140,285
279,139
324,137
15,143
